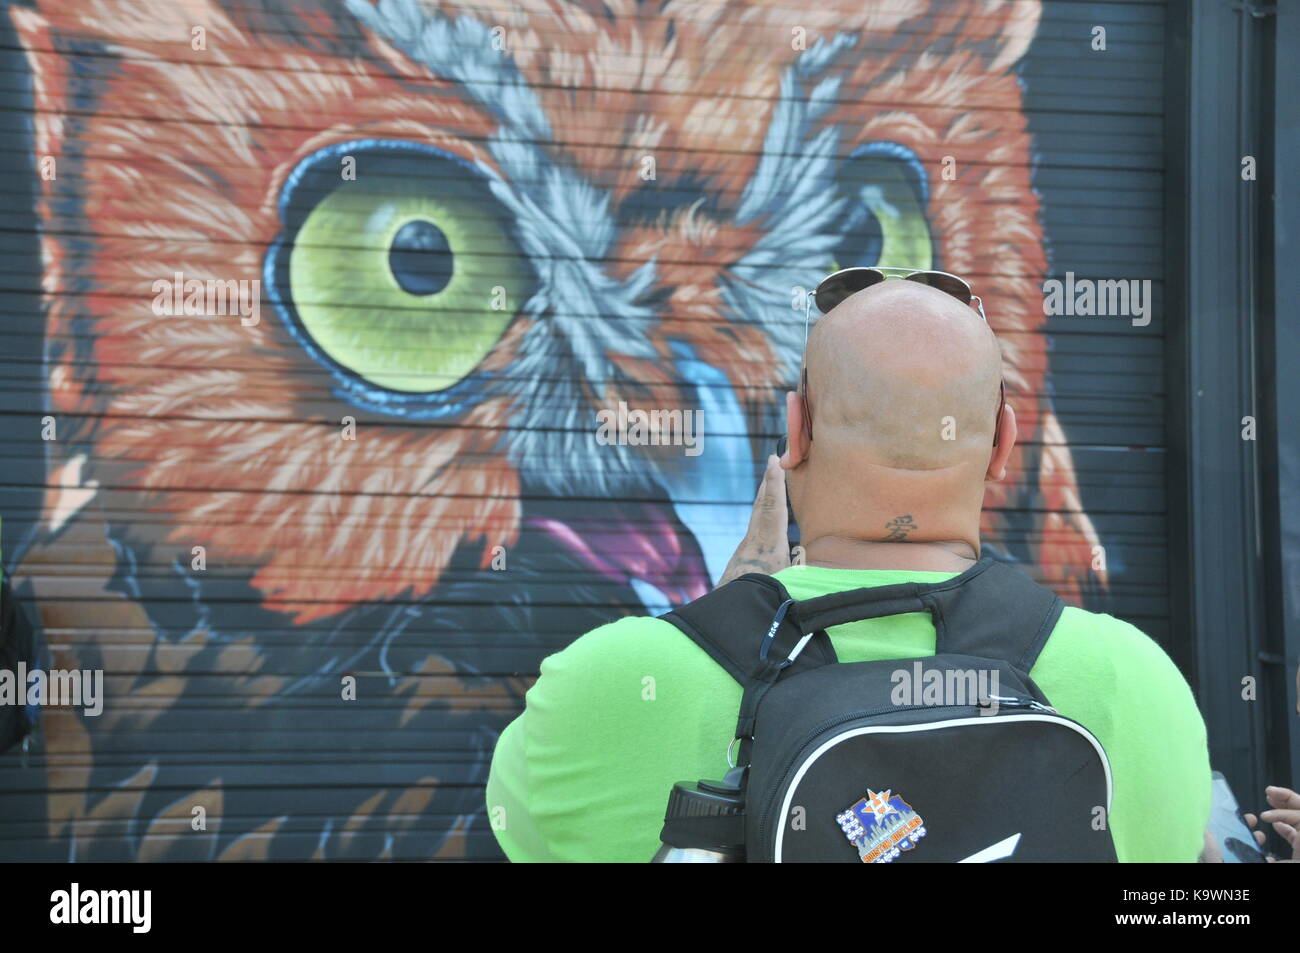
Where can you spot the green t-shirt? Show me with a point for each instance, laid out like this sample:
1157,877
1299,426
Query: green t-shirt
632,707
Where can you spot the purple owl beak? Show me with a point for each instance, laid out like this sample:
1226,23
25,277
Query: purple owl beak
641,540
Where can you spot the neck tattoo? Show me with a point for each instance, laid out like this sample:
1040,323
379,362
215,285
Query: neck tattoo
899,527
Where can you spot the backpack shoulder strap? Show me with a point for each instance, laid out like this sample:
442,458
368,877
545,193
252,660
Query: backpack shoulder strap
752,628
1000,613
731,623
991,610
747,627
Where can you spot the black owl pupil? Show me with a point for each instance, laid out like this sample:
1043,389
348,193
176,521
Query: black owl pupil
862,245
420,258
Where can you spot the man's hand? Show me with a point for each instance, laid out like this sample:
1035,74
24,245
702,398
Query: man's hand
766,547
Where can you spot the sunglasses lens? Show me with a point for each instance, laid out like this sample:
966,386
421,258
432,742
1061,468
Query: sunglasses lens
840,285
948,284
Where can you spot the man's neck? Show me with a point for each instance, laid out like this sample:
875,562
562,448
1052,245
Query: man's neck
839,552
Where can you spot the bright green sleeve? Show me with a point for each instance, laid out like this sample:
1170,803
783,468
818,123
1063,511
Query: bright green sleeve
507,798
1117,682
614,719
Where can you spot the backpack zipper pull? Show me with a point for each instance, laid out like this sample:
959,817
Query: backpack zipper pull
771,632
1011,702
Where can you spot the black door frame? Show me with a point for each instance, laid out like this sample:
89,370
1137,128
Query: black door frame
1232,352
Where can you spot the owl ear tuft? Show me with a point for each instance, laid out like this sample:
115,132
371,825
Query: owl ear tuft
49,80
998,31
1014,25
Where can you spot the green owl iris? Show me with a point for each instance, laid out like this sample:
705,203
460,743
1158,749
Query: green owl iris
407,288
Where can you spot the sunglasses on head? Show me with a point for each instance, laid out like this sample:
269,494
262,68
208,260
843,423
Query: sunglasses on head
836,287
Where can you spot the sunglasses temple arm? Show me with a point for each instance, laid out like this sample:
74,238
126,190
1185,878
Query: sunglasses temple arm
1002,404
807,316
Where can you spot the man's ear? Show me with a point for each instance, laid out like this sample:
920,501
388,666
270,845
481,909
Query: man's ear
1007,434
796,446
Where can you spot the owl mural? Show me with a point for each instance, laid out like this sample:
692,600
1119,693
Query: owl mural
471,227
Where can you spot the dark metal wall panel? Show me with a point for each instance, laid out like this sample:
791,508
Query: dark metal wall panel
1280,385
1097,117
1226,559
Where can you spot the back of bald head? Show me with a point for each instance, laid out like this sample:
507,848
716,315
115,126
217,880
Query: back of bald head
903,375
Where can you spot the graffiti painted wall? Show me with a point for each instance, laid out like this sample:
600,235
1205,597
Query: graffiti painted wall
324,303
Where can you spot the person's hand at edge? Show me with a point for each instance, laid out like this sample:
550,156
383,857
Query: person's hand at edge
1212,855
1284,815
1285,818
766,546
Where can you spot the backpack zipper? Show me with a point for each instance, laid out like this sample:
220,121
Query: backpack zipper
1011,702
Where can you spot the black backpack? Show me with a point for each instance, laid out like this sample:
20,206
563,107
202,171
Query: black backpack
911,760
17,644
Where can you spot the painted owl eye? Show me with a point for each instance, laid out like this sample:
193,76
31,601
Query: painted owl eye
887,196
402,279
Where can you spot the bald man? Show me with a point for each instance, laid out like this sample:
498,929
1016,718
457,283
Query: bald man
886,462
903,387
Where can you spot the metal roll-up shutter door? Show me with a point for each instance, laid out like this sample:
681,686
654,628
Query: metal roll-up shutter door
319,556
1097,120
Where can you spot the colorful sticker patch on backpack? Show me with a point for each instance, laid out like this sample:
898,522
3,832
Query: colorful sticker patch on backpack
881,826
